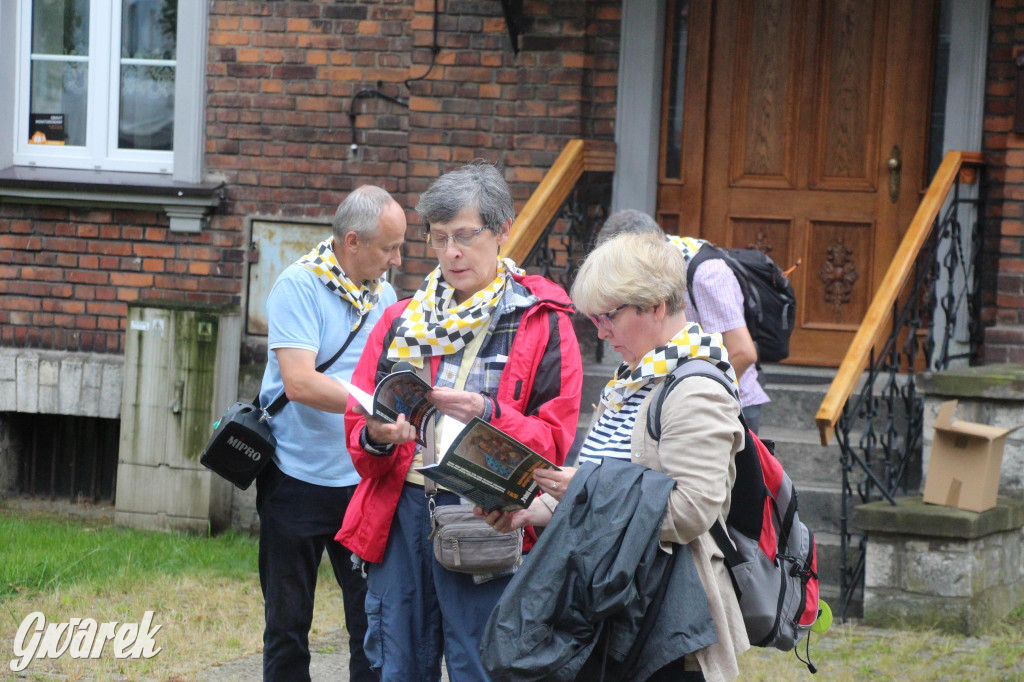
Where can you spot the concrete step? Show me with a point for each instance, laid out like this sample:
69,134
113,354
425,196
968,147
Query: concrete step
595,376
797,393
830,593
792,407
829,552
820,507
803,457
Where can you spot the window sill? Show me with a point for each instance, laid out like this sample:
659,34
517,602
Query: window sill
187,204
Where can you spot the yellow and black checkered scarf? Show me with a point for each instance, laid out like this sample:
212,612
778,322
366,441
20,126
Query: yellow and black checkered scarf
322,262
690,342
688,245
433,324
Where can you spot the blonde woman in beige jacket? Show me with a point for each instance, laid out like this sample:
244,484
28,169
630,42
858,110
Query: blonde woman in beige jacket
633,287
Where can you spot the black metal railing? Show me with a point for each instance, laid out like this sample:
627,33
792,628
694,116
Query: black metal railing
934,323
570,236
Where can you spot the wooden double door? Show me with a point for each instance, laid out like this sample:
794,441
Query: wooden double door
800,127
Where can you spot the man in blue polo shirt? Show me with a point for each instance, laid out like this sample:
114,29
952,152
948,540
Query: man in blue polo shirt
332,295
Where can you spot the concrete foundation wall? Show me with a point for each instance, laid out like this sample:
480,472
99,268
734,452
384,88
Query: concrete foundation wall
937,567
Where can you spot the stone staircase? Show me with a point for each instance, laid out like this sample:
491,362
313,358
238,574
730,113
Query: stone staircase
796,393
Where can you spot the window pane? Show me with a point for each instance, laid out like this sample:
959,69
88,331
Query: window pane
148,51
676,86
147,108
148,29
60,27
59,91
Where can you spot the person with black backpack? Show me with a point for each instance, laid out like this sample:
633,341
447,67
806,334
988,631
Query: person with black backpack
715,301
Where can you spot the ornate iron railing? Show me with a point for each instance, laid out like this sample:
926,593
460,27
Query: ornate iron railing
933,321
571,234
568,238
558,226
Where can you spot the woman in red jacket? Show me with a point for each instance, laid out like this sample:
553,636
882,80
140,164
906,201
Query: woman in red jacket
496,344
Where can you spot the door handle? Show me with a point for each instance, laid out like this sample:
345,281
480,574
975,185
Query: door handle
895,172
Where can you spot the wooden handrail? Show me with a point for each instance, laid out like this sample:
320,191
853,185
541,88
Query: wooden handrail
577,157
877,316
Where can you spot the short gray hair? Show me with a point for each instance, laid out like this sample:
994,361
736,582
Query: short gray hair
478,185
360,212
642,270
628,221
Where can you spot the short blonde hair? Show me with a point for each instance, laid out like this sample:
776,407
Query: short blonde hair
642,270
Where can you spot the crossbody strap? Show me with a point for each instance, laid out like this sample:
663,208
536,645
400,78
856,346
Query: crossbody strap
282,399
707,251
468,358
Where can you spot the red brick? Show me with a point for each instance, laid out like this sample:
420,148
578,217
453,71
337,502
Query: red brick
131,279
20,303
153,250
108,309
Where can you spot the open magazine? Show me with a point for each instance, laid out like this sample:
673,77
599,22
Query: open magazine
476,461
403,392
485,465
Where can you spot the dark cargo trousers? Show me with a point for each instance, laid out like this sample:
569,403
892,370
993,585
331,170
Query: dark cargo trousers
298,521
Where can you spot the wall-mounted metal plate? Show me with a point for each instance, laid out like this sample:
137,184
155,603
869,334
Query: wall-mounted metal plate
275,246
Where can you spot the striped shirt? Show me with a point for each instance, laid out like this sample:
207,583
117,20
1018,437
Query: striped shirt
613,432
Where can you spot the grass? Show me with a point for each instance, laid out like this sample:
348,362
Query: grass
206,595
53,554
849,653
204,591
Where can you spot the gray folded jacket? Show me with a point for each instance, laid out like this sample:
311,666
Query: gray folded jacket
598,569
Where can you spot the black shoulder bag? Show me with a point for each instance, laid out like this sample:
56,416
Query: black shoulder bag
242,444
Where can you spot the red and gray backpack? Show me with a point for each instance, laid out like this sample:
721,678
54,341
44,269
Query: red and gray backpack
770,554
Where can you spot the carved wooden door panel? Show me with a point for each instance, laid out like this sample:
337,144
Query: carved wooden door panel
795,113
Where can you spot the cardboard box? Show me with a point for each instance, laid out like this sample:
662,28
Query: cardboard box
966,461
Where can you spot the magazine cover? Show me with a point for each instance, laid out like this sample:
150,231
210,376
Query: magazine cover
402,392
488,467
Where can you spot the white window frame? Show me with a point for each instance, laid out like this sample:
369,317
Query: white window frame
184,164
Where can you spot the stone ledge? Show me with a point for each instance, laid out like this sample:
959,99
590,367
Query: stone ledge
187,204
893,608
36,381
912,516
996,382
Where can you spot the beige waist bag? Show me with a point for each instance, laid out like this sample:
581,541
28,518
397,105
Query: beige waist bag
463,542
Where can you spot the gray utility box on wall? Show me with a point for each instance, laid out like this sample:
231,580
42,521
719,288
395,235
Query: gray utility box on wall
180,372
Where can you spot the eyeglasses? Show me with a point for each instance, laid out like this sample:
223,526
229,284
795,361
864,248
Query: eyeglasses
438,241
607,320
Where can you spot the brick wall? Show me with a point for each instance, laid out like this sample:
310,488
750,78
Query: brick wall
281,81
1003,305
283,77
68,274
481,100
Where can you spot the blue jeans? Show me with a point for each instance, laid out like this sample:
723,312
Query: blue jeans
416,609
298,522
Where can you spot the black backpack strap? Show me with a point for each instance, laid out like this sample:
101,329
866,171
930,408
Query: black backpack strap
707,251
282,399
732,557
729,552
686,368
